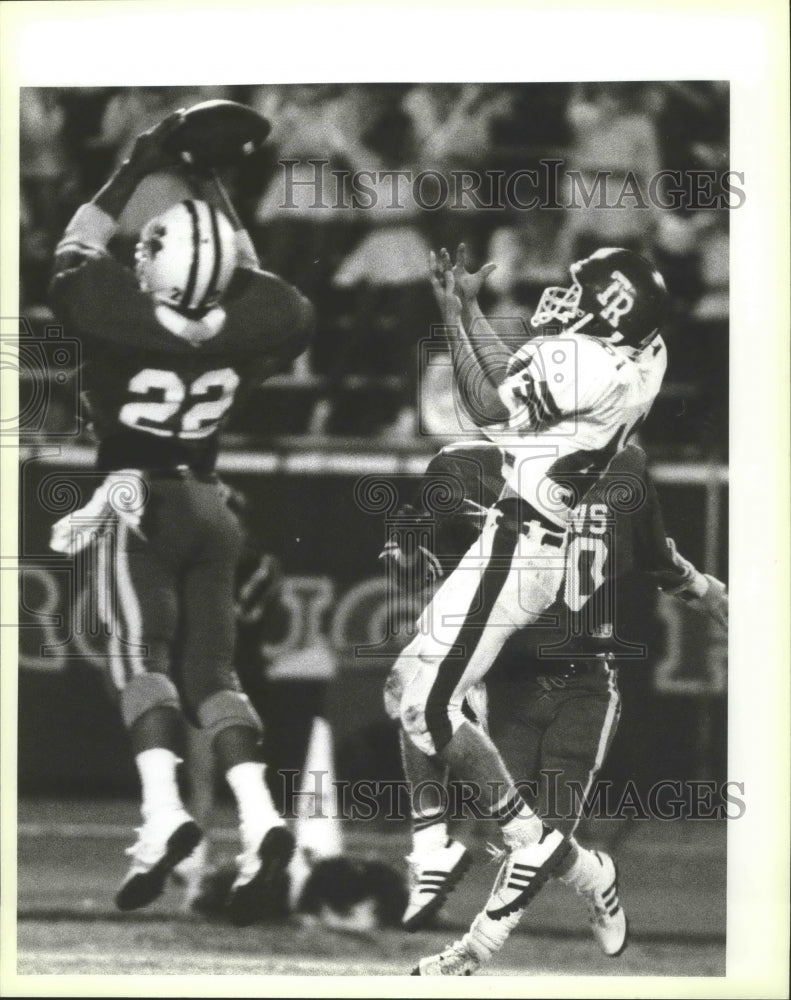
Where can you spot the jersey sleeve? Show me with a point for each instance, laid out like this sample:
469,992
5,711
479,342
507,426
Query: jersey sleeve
86,236
97,297
304,327
276,318
657,554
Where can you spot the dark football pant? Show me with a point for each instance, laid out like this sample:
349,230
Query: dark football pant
169,589
554,733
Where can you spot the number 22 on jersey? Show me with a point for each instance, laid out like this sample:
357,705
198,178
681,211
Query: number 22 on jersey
175,408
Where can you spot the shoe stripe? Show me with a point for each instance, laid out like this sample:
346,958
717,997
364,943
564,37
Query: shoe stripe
527,868
609,892
425,909
434,871
524,895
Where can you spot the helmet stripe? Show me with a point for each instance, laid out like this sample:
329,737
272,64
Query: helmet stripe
215,232
208,256
193,272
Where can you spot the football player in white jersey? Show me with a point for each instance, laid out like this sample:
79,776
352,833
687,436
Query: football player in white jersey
559,409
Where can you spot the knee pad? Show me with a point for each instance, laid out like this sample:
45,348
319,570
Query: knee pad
226,709
428,727
144,692
424,726
418,735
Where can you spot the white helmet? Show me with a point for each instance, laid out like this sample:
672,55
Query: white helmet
186,256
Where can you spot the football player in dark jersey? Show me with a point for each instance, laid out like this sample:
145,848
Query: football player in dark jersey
553,688
167,350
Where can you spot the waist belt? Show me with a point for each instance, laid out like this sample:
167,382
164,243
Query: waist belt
183,472
552,539
524,516
575,668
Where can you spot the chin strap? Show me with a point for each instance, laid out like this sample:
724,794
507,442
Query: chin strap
579,324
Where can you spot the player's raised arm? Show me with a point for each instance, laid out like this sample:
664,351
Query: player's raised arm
94,223
211,188
480,358
299,313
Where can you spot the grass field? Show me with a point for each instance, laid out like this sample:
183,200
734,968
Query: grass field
71,859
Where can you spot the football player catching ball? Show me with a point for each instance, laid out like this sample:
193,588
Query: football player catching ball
167,349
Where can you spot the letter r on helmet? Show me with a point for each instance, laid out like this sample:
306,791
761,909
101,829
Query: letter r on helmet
617,298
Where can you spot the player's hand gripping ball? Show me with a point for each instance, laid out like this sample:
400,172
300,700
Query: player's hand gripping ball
151,151
216,134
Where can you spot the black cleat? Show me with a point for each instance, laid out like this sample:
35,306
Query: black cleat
258,885
160,847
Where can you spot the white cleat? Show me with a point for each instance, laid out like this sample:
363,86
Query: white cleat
164,840
455,960
524,871
432,878
607,919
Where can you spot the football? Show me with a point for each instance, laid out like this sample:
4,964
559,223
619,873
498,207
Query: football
218,133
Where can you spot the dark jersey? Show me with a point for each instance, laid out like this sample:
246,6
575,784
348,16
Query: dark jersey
615,537
157,400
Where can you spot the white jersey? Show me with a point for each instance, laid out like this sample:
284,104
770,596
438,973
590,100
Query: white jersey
574,401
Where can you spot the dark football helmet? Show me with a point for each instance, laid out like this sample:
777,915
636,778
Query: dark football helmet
615,294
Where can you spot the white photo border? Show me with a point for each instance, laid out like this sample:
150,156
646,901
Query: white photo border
168,43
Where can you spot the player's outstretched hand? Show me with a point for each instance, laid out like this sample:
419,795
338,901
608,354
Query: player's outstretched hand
443,284
149,153
468,285
421,564
714,602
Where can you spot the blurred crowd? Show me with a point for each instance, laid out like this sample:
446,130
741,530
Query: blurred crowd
364,263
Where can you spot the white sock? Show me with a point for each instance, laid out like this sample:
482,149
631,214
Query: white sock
256,809
157,770
486,936
429,838
585,875
523,827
